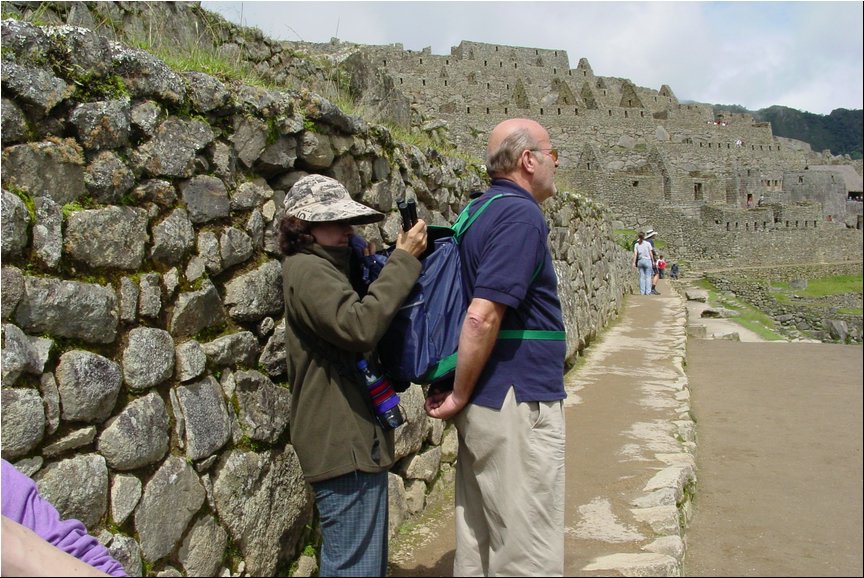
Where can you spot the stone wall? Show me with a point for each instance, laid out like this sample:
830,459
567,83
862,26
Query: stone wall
827,319
143,338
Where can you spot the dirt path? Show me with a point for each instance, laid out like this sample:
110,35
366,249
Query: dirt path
779,459
779,455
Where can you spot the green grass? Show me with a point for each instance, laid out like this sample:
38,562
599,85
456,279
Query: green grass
748,317
826,286
206,60
627,237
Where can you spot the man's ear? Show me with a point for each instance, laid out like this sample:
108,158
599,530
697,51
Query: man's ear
528,161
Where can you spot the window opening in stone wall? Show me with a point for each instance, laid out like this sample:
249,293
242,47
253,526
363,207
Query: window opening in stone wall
589,166
484,63
556,53
536,52
505,110
610,113
400,81
496,49
447,61
747,226
487,110
445,83
487,86
469,110
641,114
655,99
559,112
604,93
554,70
424,82
541,112
764,225
697,191
787,224
727,145
625,114
421,61
748,172
727,225
584,73
576,111
796,224
635,183
385,63
501,64
508,87
515,65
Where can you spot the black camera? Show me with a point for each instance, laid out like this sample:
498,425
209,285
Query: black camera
408,210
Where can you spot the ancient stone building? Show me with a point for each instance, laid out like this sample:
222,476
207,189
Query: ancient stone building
656,161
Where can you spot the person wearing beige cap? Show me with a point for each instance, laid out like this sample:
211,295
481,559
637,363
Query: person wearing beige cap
331,320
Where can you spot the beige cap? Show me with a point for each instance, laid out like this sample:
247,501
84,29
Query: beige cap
319,199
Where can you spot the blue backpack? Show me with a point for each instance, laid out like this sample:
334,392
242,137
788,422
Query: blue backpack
421,342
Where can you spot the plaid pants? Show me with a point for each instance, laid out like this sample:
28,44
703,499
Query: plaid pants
354,520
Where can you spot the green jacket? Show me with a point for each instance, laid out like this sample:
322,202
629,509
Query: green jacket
327,327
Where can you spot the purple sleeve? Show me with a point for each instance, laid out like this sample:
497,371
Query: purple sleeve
23,504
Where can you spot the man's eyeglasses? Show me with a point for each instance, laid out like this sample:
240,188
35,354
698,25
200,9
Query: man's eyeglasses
551,152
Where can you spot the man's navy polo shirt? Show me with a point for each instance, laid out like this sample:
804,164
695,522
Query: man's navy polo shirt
500,254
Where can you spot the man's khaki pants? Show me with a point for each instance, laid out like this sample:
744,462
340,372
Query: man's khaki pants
510,490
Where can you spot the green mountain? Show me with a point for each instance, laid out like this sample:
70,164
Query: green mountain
841,132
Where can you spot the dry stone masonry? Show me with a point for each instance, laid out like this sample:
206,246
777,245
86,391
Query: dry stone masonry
143,376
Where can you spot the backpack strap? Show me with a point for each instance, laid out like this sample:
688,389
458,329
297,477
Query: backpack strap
447,364
534,334
466,219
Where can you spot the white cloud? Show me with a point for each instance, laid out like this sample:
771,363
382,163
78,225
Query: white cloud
805,55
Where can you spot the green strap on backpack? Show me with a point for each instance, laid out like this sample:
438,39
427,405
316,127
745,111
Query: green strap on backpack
448,364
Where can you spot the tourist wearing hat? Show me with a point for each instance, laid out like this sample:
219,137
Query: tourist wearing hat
655,276
331,319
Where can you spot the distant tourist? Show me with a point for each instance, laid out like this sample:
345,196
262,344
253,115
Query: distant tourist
661,266
643,259
649,236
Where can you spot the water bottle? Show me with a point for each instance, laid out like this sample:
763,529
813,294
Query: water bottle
384,398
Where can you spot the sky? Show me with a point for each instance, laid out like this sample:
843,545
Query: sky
804,55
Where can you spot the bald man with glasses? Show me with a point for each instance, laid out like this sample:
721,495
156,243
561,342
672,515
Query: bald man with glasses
507,396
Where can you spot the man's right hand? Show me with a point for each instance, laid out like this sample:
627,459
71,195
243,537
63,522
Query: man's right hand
414,239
